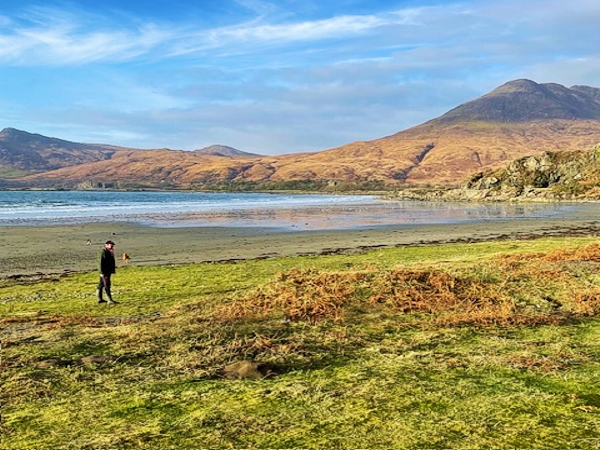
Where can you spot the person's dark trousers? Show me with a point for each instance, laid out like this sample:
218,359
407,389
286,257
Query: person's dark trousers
104,285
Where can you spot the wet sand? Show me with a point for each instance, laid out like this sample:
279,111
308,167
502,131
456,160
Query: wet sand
50,250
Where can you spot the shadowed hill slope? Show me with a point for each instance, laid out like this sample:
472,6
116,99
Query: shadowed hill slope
33,152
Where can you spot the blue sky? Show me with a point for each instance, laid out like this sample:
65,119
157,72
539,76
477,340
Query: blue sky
278,76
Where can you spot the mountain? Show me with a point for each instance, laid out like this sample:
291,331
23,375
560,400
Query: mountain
525,100
22,153
223,150
33,152
518,119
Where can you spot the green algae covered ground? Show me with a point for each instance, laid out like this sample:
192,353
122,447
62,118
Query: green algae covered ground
464,346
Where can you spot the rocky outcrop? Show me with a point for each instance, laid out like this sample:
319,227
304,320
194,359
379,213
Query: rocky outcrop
559,175
548,176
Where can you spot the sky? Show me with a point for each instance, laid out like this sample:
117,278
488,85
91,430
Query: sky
274,76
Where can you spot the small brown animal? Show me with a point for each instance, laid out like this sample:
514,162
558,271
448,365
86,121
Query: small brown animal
125,257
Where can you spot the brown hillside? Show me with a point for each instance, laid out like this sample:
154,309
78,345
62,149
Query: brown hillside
432,153
462,148
168,168
439,153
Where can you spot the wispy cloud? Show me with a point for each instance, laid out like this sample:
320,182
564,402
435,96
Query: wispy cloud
55,37
46,36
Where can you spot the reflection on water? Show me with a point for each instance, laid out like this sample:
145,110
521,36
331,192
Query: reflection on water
360,216
282,211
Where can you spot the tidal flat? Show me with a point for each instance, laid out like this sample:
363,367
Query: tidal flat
67,248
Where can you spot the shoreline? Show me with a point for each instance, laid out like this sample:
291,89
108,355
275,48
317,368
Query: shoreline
39,251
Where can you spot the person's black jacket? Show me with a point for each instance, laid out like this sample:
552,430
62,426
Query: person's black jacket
108,265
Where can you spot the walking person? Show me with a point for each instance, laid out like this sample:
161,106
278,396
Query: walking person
108,266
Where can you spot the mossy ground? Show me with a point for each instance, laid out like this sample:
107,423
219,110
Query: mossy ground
362,352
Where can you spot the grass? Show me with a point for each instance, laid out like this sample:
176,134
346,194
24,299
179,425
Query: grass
10,172
465,346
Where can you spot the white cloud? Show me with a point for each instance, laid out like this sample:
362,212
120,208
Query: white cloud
50,36
255,33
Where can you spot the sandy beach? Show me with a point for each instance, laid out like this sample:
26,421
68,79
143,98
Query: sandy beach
57,249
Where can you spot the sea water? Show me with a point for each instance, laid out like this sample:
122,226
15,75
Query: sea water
289,211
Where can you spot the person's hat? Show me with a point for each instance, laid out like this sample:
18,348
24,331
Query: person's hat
109,242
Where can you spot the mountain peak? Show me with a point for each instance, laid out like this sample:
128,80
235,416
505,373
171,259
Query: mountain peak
20,138
8,130
12,133
223,150
525,100
519,85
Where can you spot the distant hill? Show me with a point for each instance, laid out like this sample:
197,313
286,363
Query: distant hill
33,152
223,150
518,119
